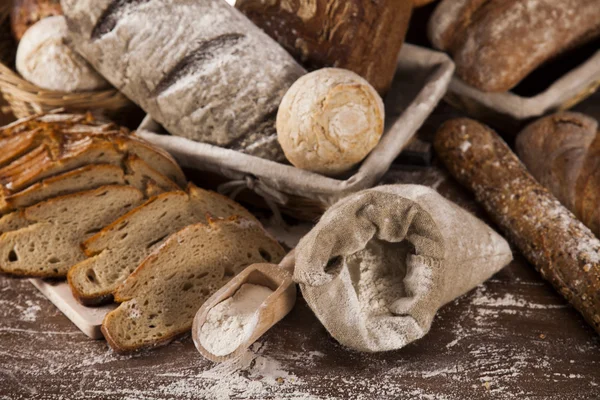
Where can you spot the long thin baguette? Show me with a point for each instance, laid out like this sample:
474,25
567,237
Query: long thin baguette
164,293
561,248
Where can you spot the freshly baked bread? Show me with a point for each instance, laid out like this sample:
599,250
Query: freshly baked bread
329,121
45,59
363,36
562,151
497,43
25,13
160,299
119,248
35,150
135,172
208,80
564,250
50,244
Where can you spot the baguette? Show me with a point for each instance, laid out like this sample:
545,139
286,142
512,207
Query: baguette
562,151
50,243
561,248
160,299
497,43
118,249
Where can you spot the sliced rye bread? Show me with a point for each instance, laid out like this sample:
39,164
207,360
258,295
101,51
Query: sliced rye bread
137,174
120,247
50,244
161,297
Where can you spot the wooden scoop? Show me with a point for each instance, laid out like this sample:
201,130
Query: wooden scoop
277,278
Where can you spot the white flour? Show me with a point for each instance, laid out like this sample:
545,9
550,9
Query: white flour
378,280
231,322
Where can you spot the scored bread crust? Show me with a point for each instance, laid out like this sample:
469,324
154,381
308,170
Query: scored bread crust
183,209
226,232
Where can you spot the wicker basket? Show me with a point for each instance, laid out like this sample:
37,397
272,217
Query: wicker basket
27,99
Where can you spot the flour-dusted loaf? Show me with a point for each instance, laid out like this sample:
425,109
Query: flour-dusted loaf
363,36
50,243
160,299
496,43
329,121
25,13
200,68
119,248
562,151
45,59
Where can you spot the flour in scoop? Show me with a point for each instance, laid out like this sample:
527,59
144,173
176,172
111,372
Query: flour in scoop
231,322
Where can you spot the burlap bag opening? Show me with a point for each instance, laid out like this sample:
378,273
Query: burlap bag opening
381,262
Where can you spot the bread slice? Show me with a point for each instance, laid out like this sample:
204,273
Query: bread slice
137,174
120,247
164,293
50,244
81,179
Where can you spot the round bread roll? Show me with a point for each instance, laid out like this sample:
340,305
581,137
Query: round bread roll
45,59
27,12
329,120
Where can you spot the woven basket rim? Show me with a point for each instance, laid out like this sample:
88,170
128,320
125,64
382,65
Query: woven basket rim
22,94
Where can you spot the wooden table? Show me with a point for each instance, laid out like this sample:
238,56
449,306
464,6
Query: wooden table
512,337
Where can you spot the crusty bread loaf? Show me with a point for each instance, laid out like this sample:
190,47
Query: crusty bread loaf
496,43
50,244
562,151
45,59
564,250
39,148
329,121
216,78
160,299
362,36
120,247
25,13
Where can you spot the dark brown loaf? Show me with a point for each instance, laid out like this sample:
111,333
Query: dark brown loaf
497,43
561,248
363,36
27,12
562,151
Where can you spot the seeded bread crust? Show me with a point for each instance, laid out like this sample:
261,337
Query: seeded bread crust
161,297
561,248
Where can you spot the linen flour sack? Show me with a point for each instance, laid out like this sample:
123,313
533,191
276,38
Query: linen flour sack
381,262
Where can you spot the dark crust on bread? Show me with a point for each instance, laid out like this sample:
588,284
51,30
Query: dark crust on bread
561,248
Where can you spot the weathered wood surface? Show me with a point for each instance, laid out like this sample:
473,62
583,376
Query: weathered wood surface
512,337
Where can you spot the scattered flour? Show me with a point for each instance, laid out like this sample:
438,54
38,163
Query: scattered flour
231,322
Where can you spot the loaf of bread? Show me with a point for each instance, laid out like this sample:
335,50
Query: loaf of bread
118,249
360,35
201,69
562,249
25,13
162,296
562,151
329,121
47,146
45,59
497,43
